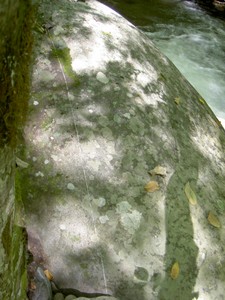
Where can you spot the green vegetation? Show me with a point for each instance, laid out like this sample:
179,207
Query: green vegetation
13,275
16,19
61,52
15,54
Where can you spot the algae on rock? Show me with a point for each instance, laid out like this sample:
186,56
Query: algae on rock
15,53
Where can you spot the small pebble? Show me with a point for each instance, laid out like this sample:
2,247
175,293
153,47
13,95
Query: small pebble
62,226
46,161
103,219
39,174
58,296
70,186
35,103
102,78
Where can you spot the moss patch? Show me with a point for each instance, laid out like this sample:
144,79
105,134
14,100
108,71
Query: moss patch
19,207
15,58
13,276
61,52
6,237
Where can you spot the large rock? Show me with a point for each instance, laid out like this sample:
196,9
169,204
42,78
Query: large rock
106,108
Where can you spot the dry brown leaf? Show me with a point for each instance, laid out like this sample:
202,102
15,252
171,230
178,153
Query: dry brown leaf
152,186
190,194
175,270
213,220
158,170
48,274
33,285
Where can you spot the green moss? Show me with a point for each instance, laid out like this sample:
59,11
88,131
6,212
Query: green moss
7,237
15,54
46,123
62,53
220,206
24,281
14,271
19,206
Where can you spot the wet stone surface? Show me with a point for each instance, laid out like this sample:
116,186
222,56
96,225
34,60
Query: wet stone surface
102,115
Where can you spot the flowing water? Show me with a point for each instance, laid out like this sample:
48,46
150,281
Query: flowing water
192,37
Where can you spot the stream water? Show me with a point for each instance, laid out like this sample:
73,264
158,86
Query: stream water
191,36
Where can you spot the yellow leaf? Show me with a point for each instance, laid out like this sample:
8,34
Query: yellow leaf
152,186
213,220
158,170
190,194
177,100
201,101
106,33
48,274
175,270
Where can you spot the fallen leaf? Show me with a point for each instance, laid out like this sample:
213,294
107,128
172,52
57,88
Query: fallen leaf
33,285
190,194
48,274
106,33
175,270
152,186
201,101
213,220
158,170
177,100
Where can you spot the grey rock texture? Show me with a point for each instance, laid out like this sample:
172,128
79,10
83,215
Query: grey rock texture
106,108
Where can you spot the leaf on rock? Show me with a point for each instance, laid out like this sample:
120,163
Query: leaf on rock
175,270
33,285
177,100
201,101
158,170
190,194
213,220
48,274
152,186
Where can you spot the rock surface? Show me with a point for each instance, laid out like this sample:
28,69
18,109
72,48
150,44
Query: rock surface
15,52
111,108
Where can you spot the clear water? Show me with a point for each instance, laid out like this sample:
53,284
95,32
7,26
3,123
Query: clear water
193,39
